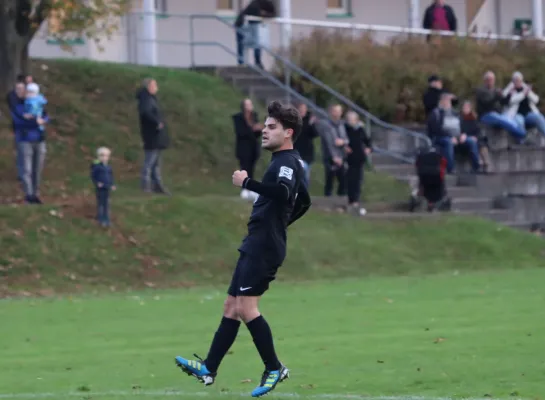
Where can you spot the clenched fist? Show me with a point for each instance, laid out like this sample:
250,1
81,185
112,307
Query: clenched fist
239,177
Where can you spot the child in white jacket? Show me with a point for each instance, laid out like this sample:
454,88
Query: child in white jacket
522,104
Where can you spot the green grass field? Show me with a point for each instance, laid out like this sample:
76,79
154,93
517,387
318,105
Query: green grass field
451,335
363,309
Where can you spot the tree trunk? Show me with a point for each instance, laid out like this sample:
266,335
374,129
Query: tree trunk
16,32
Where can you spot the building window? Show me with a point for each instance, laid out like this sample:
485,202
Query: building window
161,6
338,7
226,7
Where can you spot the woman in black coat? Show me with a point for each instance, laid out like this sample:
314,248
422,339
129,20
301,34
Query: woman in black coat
359,147
248,146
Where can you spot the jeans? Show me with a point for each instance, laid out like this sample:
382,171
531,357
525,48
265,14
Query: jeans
532,120
33,155
497,120
248,35
471,145
354,180
103,206
19,161
307,167
151,171
330,174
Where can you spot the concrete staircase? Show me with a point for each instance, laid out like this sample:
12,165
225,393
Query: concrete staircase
513,194
250,82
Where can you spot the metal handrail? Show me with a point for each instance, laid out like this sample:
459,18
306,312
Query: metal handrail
370,118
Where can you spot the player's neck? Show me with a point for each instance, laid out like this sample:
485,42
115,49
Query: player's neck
285,146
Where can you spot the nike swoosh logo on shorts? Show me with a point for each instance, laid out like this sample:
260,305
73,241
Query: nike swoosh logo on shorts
243,289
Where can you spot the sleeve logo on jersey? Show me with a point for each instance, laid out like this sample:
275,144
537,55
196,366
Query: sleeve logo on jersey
286,172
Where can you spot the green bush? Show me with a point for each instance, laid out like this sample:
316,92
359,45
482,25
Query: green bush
383,78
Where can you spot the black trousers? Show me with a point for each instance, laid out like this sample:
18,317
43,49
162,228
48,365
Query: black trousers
248,165
354,180
330,175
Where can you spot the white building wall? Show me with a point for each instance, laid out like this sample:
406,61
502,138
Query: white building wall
125,46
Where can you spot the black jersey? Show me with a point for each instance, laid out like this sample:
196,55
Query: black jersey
269,219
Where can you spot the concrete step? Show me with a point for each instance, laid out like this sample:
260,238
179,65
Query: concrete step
513,183
236,70
495,215
520,158
528,208
473,204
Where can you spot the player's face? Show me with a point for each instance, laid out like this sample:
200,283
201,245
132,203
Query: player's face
274,135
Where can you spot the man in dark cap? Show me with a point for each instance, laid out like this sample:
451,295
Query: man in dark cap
432,95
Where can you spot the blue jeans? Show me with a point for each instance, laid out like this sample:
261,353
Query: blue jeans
497,120
532,120
103,206
151,170
33,158
447,150
248,36
20,161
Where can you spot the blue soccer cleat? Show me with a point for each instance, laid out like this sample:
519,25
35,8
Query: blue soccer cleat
197,369
269,380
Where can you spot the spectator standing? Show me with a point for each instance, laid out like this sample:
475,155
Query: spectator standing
522,104
470,126
250,33
103,179
14,99
248,147
432,95
334,140
154,136
440,17
359,147
30,140
490,101
305,142
444,128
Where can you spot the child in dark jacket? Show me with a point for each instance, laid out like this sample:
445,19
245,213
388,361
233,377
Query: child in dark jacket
103,179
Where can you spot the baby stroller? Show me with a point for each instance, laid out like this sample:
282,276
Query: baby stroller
431,168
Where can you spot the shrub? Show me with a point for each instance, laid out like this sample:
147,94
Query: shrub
381,78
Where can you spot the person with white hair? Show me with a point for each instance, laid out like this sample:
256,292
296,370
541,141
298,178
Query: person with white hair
522,104
489,102
103,180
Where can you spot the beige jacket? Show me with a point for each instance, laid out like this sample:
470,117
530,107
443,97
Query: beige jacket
512,108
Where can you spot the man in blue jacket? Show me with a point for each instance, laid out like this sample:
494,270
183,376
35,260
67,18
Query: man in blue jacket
14,97
30,142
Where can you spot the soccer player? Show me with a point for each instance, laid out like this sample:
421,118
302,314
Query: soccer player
282,200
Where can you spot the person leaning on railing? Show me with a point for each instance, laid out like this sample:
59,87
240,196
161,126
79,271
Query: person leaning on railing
249,34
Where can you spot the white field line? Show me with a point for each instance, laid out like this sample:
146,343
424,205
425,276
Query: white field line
159,393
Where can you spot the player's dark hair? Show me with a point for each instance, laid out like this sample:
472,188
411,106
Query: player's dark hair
288,116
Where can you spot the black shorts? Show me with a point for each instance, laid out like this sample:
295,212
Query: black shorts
252,276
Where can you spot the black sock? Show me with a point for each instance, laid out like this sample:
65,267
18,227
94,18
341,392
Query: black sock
223,340
263,340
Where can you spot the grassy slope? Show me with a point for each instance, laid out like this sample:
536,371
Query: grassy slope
186,241
470,335
93,104
192,237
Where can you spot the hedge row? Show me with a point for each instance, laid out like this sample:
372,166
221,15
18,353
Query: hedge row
387,78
